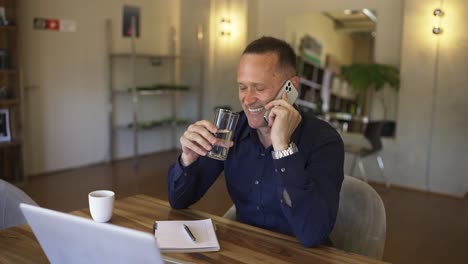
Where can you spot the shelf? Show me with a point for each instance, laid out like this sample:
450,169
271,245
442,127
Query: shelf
312,84
144,56
157,127
14,143
153,124
307,60
343,97
150,92
12,27
9,102
156,57
7,71
305,103
345,117
168,62
11,152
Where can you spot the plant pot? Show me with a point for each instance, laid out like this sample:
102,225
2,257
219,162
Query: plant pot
388,128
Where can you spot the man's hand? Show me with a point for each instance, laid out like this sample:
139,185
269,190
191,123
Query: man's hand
197,140
283,120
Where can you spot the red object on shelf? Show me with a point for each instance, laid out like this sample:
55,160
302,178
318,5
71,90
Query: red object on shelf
53,24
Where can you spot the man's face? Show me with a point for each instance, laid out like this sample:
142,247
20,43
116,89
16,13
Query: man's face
259,81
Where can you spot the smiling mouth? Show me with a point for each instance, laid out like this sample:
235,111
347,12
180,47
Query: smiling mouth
256,110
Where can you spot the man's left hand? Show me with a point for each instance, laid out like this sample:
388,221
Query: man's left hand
283,120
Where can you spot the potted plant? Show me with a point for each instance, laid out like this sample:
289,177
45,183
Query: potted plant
374,76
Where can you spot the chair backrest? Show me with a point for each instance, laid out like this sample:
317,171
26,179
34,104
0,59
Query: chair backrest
231,213
10,198
373,133
361,223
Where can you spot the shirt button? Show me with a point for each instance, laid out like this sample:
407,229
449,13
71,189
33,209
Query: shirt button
262,154
283,169
258,208
257,182
185,174
276,170
281,201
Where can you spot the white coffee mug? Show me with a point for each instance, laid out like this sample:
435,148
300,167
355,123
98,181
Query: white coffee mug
101,204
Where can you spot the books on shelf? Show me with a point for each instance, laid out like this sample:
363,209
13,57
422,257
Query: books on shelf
172,236
5,135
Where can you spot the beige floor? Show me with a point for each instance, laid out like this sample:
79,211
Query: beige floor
421,228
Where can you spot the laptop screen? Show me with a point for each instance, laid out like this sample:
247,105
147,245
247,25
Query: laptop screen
66,238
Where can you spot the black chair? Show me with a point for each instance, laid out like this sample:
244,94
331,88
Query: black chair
372,133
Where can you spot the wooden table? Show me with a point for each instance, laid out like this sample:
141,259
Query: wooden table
240,243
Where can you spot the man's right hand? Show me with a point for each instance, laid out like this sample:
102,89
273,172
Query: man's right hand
197,140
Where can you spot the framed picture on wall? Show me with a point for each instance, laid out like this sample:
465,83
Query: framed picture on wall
5,135
130,12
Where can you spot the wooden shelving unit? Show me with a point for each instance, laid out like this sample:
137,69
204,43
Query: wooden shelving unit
311,76
9,102
11,149
14,143
341,101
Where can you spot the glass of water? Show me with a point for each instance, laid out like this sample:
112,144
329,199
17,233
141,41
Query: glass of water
226,122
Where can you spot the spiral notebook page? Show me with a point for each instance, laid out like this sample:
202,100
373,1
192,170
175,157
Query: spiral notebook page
172,237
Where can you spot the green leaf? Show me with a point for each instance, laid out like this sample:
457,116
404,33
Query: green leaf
363,76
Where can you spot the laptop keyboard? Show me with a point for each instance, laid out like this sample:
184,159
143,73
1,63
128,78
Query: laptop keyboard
168,260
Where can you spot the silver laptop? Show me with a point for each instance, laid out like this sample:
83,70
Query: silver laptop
66,238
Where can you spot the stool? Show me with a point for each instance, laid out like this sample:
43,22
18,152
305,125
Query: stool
372,133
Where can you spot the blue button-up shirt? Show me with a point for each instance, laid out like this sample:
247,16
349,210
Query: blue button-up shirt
296,195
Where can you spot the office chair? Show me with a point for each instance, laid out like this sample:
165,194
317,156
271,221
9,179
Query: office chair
372,133
360,225
231,213
10,198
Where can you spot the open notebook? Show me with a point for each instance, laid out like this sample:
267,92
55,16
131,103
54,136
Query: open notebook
172,237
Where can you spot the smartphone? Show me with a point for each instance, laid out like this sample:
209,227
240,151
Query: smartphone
290,90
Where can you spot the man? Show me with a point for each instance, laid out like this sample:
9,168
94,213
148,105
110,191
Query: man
284,175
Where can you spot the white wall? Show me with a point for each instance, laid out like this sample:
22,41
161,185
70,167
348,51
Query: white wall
66,77
221,53
430,149
363,48
433,97
323,30
195,17
224,54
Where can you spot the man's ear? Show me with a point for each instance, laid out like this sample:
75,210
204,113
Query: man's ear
295,80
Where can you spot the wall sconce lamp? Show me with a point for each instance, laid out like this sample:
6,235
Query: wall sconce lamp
438,14
200,35
226,27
